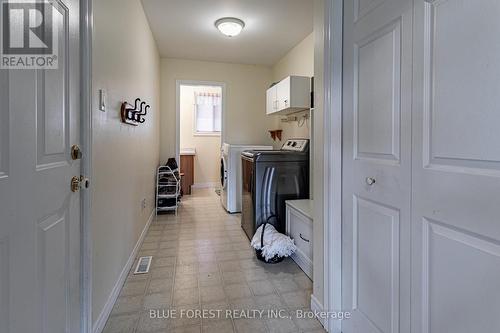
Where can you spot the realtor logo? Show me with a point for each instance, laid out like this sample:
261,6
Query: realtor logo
29,34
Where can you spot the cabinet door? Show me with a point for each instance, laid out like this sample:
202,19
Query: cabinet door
283,92
271,100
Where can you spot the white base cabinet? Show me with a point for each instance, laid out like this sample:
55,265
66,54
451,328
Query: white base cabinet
299,226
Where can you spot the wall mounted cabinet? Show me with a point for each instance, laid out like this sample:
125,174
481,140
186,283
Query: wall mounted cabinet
290,95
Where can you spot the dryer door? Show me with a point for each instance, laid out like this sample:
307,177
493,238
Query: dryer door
223,172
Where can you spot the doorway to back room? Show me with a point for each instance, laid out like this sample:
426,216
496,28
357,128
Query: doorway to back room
200,132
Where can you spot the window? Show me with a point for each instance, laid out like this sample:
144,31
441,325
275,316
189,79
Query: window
208,113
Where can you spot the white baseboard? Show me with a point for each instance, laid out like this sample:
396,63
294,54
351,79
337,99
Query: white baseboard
317,306
205,185
106,311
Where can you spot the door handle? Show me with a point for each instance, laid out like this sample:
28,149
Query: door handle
78,183
304,239
370,181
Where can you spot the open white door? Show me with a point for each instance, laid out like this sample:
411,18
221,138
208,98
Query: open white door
376,165
39,214
456,167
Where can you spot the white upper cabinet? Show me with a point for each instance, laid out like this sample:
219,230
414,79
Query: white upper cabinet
290,95
271,100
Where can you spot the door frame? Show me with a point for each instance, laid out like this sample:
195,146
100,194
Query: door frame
332,168
86,28
178,84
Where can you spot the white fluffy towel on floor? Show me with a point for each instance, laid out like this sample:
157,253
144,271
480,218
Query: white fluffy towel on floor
275,243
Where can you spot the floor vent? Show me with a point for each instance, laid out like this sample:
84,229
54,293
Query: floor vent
143,265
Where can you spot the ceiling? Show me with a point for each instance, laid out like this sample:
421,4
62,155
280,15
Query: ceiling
185,28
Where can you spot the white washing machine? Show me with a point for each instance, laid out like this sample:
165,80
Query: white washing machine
230,174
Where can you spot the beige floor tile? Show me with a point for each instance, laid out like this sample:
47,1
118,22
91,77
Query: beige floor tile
162,272
303,281
160,285
171,252
134,288
163,262
306,323
151,239
157,301
243,304
202,259
186,296
269,302
259,288
212,294
185,316
219,326
185,281
210,279
217,306
249,326
233,278
277,325
121,324
297,299
150,325
186,269
285,285
149,246
236,291
230,266
208,267
186,329
127,304
256,274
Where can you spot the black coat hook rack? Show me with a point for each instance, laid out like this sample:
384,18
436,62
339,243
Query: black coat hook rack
134,114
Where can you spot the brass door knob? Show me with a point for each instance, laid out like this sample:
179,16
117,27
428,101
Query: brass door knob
76,152
370,180
75,184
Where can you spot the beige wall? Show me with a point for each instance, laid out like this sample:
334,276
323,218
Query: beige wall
126,65
299,61
318,142
206,163
245,115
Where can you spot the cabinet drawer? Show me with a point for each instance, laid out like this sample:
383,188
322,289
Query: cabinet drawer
301,231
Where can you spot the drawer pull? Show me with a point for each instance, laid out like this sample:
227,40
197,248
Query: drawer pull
302,237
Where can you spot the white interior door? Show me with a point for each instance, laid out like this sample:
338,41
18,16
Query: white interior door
40,224
456,167
376,165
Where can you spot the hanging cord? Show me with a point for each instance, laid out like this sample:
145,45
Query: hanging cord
303,121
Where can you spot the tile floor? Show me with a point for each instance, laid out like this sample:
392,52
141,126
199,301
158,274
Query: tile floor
202,261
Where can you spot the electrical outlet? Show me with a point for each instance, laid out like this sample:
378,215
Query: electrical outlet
143,203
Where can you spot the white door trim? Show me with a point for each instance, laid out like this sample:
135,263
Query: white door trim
86,26
178,84
332,200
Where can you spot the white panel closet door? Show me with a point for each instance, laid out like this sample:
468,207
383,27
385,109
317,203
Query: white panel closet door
456,167
39,215
376,165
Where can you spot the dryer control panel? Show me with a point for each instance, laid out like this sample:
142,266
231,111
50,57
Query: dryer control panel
300,145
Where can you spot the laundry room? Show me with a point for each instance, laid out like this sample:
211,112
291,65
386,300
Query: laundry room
249,166
232,223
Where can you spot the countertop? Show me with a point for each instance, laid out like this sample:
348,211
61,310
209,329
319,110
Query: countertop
305,206
188,151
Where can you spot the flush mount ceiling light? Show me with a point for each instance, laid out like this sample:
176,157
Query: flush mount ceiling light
230,26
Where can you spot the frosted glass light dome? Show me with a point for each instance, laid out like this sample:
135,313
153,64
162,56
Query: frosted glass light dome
230,26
